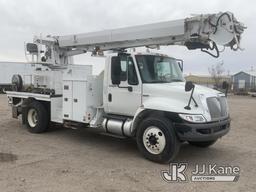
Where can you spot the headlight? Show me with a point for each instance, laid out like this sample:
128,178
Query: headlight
193,118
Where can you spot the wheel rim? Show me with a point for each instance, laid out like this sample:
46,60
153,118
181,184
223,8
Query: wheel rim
154,140
32,117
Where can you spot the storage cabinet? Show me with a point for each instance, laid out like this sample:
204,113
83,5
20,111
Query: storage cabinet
78,94
74,100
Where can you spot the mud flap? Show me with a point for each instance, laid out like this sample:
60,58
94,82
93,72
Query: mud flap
24,113
15,113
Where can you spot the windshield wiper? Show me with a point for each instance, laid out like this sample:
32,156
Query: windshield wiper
177,80
158,81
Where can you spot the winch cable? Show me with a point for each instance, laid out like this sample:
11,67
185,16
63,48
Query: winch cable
214,47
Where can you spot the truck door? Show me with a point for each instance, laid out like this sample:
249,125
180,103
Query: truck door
124,97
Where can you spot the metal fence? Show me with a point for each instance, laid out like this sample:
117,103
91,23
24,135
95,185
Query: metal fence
233,87
243,88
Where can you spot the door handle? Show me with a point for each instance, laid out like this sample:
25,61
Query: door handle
130,89
75,100
110,97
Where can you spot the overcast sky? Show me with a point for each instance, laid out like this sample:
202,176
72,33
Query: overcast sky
21,19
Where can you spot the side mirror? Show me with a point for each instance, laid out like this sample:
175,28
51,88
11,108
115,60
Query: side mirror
225,85
32,48
180,63
189,86
115,70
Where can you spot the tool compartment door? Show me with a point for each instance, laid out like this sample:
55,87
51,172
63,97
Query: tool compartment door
79,101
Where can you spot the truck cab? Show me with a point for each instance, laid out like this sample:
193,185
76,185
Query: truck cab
149,90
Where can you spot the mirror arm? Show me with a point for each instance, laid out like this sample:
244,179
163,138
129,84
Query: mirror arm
196,105
180,64
189,102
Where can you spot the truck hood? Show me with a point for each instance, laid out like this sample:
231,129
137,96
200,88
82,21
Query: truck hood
172,97
176,88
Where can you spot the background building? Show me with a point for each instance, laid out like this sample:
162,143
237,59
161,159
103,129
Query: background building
244,81
8,69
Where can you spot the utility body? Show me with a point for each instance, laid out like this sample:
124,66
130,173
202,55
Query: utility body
141,95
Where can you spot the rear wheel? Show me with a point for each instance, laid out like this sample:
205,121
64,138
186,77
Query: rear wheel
37,117
202,143
156,140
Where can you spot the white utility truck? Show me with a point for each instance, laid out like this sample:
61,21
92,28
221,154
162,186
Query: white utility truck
140,95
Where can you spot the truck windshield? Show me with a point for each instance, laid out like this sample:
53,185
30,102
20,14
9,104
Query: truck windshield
158,69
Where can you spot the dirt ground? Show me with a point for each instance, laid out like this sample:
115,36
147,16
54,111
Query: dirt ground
81,160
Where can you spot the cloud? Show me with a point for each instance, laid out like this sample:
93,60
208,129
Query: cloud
21,19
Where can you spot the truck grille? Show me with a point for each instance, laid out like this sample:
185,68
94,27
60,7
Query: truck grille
217,107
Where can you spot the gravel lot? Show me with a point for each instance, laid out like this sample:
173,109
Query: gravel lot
81,160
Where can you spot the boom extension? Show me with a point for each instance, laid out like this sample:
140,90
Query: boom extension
203,32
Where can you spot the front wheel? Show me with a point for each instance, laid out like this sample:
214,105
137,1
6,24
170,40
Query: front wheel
37,117
202,143
156,140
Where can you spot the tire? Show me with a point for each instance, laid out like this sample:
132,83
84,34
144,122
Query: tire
36,117
156,140
202,144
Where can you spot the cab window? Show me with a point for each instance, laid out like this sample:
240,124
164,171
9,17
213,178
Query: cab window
127,70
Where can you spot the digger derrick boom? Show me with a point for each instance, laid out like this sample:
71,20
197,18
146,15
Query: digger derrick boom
205,32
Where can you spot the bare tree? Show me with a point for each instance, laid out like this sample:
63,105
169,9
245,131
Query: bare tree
216,71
